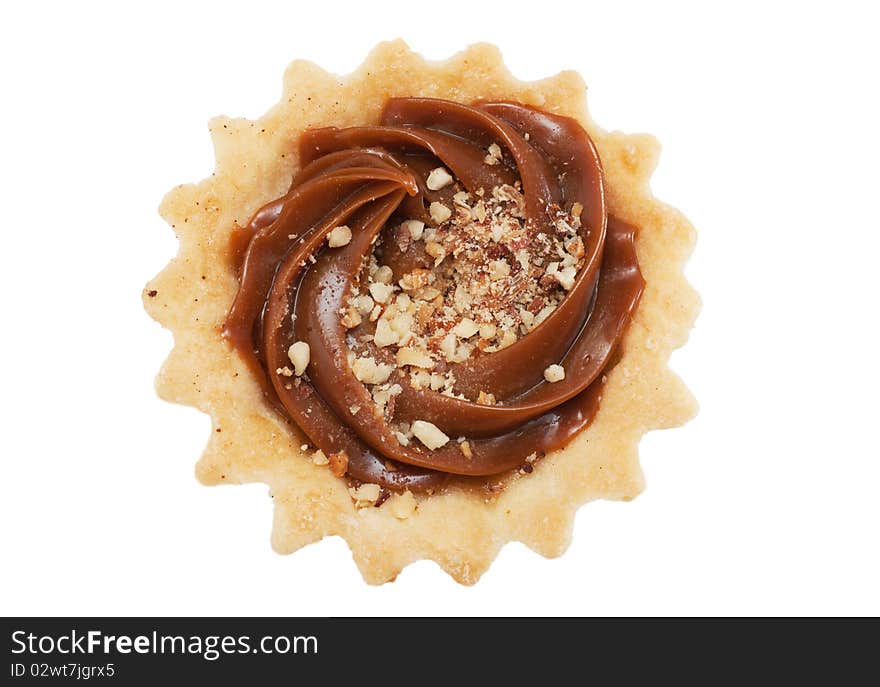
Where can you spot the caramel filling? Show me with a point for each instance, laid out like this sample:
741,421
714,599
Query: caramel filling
438,295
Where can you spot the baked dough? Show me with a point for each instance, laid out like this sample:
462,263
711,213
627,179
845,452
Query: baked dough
460,528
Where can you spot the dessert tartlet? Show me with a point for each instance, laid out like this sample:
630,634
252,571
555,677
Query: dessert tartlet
429,305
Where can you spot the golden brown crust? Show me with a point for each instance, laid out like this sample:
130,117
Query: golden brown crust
459,529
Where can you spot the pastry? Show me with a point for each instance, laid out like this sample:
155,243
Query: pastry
429,305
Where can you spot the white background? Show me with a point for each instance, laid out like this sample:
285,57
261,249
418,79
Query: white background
767,503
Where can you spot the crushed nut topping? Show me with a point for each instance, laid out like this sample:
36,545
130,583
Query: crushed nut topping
474,283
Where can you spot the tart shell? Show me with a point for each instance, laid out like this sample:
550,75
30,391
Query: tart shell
462,529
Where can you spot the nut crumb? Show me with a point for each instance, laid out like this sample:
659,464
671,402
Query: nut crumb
299,354
414,227
338,463
554,373
439,212
402,505
438,178
338,237
365,494
429,434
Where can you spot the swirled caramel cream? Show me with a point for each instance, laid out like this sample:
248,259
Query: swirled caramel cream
438,295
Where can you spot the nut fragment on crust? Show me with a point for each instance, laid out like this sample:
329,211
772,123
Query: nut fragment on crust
340,236
438,178
402,505
414,227
299,354
439,212
338,463
554,373
465,447
365,494
320,458
429,434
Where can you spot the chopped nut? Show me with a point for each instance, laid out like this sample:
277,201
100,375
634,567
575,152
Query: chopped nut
429,434
508,338
284,371
402,439
319,458
462,198
340,236
383,275
447,346
338,463
494,156
414,227
485,399
438,178
385,335
499,269
364,304
365,493
576,210
488,331
436,251
439,212
416,358
565,277
299,354
351,318
381,292
354,410
402,324
465,447
402,505
369,372
416,279
575,247
466,328
554,373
